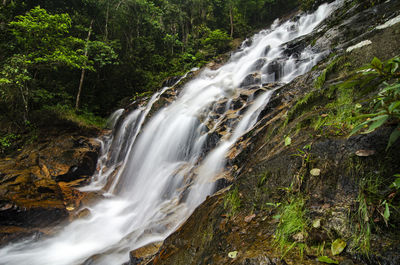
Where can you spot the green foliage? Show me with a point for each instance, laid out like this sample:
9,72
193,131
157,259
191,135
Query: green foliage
44,44
134,46
7,141
14,76
84,118
292,221
326,259
319,82
43,39
362,236
288,141
217,41
232,202
386,104
338,246
306,4
396,183
376,199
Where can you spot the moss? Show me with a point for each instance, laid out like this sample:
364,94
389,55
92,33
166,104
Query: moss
335,65
304,104
334,107
207,235
232,202
319,82
83,118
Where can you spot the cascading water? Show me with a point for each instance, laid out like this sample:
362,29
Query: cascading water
156,173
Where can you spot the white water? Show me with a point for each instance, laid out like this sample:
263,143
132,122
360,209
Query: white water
156,173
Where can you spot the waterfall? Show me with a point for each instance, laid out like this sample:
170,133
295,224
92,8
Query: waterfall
155,171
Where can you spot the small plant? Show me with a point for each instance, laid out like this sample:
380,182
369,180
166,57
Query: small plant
376,204
293,223
396,183
386,104
232,202
6,142
362,237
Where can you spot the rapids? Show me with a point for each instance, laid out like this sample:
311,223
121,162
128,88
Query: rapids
145,164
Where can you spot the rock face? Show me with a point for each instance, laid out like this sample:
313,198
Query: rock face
334,184
38,185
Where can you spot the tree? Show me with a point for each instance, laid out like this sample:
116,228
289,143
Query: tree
44,43
217,41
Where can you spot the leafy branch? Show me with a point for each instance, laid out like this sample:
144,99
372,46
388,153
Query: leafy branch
386,104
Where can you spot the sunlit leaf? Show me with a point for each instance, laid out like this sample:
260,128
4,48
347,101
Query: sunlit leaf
393,137
232,254
378,121
326,259
386,214
288,141
376,63
338,246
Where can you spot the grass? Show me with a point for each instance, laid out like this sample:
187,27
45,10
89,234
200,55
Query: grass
292,221
232,202
83,118
362,235
369,195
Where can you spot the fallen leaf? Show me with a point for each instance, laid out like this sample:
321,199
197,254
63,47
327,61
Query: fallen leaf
248,219
288,141
326,259
233,254
316,223
338,246
70,208
299,237
365,152
315,171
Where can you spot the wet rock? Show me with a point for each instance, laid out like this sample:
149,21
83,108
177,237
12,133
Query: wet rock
267,49
39,216
275,68
346,262
251,79
86,167
237,104
295,47
171,81
260,260
258,64
248,42
143,254
32,198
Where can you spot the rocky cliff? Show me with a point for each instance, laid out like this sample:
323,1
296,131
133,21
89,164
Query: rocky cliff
38,183
304,190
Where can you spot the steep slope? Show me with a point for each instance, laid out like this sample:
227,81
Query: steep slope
290,201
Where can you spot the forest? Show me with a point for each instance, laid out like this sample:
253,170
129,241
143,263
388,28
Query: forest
247,132
86,57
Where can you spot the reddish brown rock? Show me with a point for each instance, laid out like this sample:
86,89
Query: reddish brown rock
38,184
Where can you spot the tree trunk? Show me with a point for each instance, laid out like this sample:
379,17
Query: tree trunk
231,20
4,2
78,96
106,26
